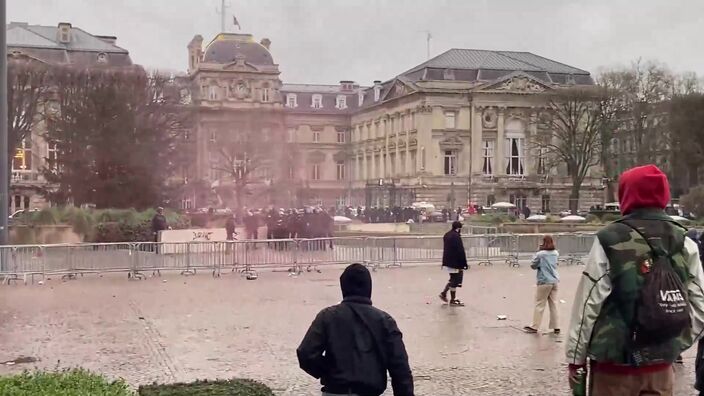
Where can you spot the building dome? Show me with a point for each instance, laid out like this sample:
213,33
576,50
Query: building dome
230,47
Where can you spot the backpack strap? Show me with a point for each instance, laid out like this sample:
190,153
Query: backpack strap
657,251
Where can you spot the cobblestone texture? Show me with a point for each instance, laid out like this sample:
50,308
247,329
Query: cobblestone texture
184,328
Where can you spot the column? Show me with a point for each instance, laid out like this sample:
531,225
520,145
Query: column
500,156
531,157
357,174
373,175
407,165
397,155
476,140
365,165
387,159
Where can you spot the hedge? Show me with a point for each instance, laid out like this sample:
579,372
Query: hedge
80,382
233,387
73,382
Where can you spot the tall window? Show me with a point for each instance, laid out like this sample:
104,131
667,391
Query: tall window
450,119
291,101
518,199
316,136
545,206
265,94
341,102
291,173
52,155
317,102
291,135
340,170
315,172
515,156
490,199
542,161
488,157
22,161
341,138
450,163
213,92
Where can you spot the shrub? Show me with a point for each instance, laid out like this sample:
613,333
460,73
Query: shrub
67,382
234,387
610,217
47,216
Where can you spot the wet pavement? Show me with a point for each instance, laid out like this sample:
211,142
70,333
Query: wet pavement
177,328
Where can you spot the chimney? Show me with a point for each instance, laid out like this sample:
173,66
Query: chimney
64,33
266,43
346,85
377,90
108,39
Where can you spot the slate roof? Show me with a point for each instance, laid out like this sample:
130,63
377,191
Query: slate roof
228,47
41,42
457,58
304,98
25,35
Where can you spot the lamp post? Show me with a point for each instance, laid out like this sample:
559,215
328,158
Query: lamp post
3,132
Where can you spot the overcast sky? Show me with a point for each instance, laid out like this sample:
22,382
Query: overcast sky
324,41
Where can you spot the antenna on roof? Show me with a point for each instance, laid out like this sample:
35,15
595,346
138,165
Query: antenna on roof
428,37
222,11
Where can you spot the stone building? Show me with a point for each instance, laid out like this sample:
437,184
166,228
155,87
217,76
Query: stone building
452,130
60,45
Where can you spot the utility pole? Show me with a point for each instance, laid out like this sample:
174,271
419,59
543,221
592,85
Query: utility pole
4,182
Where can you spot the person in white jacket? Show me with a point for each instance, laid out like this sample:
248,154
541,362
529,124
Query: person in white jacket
608,323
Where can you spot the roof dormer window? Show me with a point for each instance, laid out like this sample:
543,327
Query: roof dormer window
360,98
291,101
102,57
341,102
377,90
317,101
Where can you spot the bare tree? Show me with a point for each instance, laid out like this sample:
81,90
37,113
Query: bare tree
116,134
27,86
569,133
245,159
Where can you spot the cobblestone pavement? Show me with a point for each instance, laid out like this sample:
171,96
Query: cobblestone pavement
183,328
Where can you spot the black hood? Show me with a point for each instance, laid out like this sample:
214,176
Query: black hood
356,281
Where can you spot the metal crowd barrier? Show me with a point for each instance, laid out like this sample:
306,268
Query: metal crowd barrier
138,260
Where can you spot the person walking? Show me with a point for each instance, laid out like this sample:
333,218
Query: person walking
545,262
454,261
352,345
639,302
230,227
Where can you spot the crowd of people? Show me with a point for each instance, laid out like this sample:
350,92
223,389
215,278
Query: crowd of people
283,224
639,304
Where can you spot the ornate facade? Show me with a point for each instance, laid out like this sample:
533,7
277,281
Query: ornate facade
452,130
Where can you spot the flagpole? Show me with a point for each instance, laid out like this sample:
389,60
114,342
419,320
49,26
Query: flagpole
222,16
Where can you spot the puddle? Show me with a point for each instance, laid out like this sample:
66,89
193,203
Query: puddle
21,360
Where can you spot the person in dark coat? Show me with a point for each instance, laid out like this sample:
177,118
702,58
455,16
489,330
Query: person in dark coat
351,346
251,225
159,223
230,228
526,212
454,261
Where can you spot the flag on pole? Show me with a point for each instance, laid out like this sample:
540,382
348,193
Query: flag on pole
236,22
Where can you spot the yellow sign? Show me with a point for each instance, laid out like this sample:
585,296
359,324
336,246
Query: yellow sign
19,153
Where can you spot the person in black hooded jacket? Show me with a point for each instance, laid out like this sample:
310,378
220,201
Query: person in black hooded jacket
454,261
351,346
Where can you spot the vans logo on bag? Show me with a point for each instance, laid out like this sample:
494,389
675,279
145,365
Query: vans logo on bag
671,295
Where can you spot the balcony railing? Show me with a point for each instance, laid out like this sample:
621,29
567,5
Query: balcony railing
24,176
